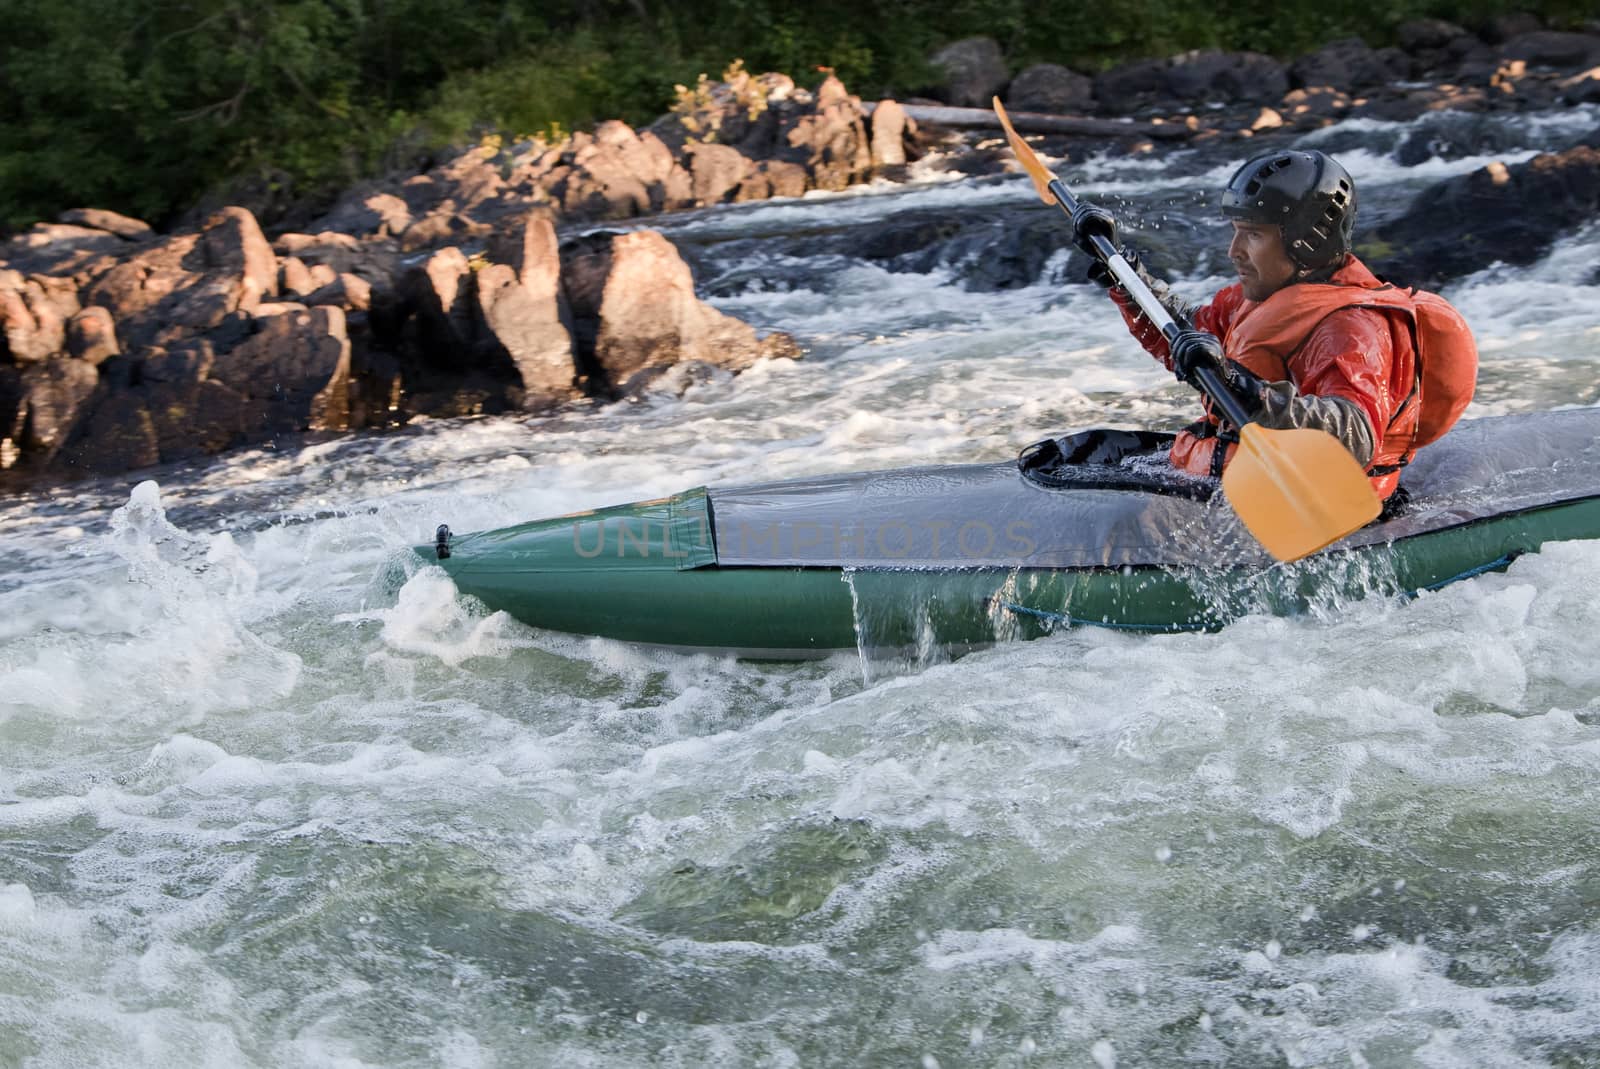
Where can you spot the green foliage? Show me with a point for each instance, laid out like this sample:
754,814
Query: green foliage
144,107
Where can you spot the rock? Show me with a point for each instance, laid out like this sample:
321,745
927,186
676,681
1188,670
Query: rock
294,277
92,336
445,225
1233,77
1422,36
1348,64
294,373
1507,214
1561,51
888,138
136,286
377,214
1582,88
772,178
232,243
50,400
191,414
125,227
1314,107
1266,119
119,435
1452,135
716,171
1049,87
1130,86
440,291
1192,77
973,70
377,260
522,304
350,292
58,249
831,142
33,316
649,317
1502,28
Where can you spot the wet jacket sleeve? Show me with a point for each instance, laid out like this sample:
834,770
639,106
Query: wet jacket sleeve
1338,383
1212,318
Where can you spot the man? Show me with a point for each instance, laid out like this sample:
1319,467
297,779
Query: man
1309,337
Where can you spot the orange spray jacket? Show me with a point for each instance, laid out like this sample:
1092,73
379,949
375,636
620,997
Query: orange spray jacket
1350,337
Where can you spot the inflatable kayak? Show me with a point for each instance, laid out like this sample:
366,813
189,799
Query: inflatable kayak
967,555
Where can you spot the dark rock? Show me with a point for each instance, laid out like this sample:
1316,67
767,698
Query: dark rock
1428,35
377,261
1209,75
440,291
1348,64
1507,214
51,398
1132,85
1049,87
1193,77
1561,51
1501,28
378,214
119,435
350,292
125,227
973,70
92,335
1582,88
1453,135
58,249
191,414
294,372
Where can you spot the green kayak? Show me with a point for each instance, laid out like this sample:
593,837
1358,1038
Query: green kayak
968,555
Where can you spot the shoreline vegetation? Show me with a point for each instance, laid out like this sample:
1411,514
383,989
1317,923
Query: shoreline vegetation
445,287
166,112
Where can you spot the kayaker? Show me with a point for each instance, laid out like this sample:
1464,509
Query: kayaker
1309,336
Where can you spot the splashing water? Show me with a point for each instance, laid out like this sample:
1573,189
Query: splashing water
273,794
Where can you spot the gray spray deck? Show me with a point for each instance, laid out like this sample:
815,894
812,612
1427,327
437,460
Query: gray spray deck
989,516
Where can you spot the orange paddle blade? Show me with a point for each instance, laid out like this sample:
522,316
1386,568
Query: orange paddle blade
1026,156
1297,491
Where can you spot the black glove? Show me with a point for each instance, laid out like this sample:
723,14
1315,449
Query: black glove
1089,222
1101,275
1193,350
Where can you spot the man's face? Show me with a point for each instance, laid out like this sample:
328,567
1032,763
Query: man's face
1259,257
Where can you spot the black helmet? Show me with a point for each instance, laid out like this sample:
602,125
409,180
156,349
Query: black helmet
1308,194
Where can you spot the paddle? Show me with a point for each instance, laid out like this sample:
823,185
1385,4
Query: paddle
1295,490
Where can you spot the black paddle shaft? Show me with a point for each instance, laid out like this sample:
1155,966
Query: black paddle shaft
1210,384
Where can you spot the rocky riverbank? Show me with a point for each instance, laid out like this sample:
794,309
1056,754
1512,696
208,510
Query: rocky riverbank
486,284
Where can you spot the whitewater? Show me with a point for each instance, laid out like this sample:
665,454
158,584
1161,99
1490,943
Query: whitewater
273,794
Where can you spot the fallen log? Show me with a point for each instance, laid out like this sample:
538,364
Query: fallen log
1034,122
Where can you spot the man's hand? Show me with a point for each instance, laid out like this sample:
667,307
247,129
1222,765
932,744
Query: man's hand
1088,223
1193,350
1101,275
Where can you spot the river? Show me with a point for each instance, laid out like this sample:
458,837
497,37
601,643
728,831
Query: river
271,794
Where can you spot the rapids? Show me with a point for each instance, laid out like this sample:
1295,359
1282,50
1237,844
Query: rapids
271,794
